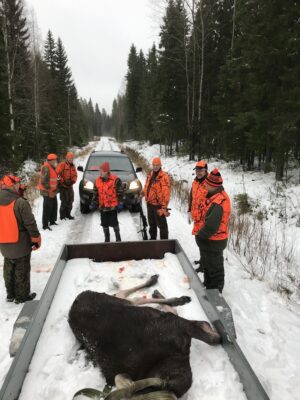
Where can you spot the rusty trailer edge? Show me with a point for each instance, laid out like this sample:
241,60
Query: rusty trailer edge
122,251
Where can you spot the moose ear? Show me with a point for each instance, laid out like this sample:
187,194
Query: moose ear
202,330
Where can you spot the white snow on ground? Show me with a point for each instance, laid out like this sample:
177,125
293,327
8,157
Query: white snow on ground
267,324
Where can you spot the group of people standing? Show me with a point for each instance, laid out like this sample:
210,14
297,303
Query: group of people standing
209,209
56,178
19,234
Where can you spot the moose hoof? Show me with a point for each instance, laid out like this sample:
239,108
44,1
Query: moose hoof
151,281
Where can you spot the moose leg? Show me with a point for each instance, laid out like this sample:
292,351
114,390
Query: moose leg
123,294
157,295
173,301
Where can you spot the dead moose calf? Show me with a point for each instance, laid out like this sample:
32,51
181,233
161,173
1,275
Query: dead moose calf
140,342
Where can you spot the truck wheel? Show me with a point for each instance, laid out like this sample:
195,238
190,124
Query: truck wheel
84,208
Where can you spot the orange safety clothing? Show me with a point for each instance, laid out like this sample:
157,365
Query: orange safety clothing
107,192
157,192
198,194
67,173
223,200
9,230
52,180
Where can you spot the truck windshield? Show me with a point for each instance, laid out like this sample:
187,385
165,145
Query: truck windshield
116,163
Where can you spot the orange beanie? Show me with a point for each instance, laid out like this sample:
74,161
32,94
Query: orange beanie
105,167
214,178
156,161
69,154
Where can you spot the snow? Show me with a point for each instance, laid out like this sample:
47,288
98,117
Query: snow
266,322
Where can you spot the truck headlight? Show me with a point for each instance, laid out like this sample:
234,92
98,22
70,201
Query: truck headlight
133,185
88,185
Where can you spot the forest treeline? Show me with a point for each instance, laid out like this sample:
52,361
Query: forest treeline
224,81
40,110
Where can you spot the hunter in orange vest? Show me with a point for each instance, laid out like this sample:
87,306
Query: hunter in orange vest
108,197
67,175
212,230
197,195
48,183
19,235
157,191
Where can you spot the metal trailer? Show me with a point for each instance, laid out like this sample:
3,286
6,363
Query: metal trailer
214,305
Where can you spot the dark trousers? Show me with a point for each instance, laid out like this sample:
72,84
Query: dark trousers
66,201
212,261
16,273
155,221
49,211
110,218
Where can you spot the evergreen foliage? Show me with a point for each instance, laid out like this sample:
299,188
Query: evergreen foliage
224,83
40,111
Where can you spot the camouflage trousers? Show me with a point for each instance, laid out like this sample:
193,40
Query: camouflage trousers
16,273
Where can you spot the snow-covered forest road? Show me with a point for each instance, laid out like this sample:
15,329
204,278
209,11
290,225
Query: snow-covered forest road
268,326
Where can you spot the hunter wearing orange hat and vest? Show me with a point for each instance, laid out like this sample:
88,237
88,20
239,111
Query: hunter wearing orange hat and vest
211,230
197,195
48,183
19,235
108,198
67,173
157,193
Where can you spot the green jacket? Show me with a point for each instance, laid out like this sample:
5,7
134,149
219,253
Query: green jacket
26,224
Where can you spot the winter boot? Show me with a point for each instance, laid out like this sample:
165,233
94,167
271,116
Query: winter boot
117,233
106,234
30,297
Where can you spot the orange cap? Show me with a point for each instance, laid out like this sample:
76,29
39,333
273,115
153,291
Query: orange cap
10,180
69,154
51,157
156,161
201,164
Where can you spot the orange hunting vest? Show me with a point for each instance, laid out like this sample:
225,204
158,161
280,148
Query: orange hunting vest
66,171
160,189
9,230
223,200
199,193
107,193
53,178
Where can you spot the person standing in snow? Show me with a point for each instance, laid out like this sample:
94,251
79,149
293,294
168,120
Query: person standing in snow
67,174
197,195
48,188
19,235
108,197
157,193
212,230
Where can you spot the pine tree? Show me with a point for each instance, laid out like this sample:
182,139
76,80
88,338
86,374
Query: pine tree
172,74
132,92
50,52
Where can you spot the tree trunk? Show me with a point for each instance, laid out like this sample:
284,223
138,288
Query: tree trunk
201,79
9,70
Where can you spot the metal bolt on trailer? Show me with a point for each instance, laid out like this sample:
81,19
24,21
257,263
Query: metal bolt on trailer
213,304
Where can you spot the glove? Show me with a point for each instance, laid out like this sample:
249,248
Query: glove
120,206
190,218
93,206
163,212
36,242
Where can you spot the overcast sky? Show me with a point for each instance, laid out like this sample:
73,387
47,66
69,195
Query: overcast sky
97,35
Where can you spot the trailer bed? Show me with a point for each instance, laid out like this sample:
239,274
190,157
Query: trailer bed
117,256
